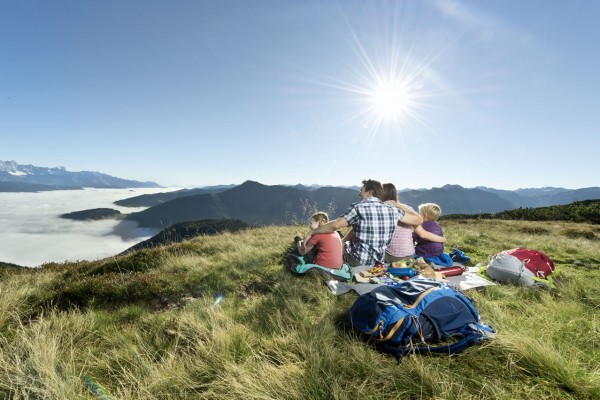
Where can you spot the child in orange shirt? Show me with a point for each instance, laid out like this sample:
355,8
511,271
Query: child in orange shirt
328,245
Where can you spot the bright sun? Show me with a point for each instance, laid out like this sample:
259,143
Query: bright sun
390,100
389,84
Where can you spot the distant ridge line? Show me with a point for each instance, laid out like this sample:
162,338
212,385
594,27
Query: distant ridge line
258,204
58,178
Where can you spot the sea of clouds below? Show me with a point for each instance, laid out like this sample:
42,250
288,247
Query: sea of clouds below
32,233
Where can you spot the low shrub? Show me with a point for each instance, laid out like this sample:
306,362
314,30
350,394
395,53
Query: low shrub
579,234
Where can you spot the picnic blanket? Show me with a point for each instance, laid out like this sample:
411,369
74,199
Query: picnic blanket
470,279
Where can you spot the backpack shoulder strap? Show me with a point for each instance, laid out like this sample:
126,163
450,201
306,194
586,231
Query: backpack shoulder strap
472,334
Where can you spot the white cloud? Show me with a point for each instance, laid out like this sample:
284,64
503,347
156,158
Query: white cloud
33,233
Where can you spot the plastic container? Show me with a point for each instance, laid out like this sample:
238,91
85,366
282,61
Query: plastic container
402,272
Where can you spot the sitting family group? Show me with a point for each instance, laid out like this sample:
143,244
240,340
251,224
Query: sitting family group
382,230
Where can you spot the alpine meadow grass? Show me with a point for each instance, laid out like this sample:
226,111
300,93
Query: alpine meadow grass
218,317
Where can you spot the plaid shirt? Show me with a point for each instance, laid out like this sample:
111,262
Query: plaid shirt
423,248
373,223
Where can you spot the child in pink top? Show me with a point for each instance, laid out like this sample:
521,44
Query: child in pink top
402,245
328,245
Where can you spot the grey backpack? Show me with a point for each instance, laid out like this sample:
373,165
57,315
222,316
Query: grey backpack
520,266
509,269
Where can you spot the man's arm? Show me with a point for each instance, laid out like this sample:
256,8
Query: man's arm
349,236
331,226
410,217
304,247
430,237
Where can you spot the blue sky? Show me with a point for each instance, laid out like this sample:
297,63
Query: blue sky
503,94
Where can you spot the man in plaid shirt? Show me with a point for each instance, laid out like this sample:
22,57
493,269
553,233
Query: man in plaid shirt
373,223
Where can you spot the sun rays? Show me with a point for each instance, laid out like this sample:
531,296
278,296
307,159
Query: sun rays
389,87
394,103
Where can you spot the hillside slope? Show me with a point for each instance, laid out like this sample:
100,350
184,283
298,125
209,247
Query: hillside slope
579,211
216,317
250,202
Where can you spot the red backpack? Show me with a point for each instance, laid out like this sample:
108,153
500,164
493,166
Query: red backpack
537,262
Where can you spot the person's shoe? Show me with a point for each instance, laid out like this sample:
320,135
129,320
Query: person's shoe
297,239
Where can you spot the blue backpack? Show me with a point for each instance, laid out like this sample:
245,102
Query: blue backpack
417,316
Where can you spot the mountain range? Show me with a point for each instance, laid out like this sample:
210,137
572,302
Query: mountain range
15,177
250,202
259,204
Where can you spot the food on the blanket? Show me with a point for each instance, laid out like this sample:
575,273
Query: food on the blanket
420,263
377,270
399,264
385,280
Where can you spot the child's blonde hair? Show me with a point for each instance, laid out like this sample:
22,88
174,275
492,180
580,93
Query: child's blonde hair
321,217
432,210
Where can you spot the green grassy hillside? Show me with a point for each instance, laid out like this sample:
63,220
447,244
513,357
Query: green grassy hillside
152,325
579,211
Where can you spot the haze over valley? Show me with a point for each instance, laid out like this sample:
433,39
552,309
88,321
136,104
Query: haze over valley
33,233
